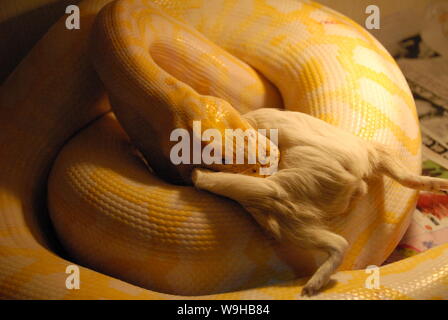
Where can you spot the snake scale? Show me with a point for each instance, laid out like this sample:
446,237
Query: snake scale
149,239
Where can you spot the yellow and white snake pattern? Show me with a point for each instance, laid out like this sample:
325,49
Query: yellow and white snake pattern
165,241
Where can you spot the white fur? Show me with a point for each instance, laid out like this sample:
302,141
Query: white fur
322,169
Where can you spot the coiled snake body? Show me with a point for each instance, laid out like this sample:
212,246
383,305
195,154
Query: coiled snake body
114,216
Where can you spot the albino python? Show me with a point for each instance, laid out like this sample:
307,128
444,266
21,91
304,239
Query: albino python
161,240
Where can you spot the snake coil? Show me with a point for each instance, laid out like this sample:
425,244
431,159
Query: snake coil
114,216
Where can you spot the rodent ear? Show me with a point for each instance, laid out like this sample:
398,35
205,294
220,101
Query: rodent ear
273,226
268,222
